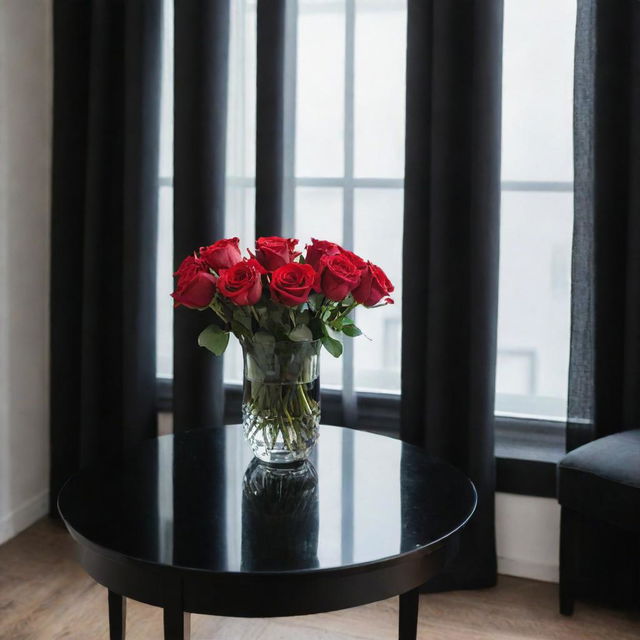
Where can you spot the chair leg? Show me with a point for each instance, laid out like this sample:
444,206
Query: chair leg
567,543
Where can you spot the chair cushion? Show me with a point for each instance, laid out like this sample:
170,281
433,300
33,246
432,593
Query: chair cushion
602,479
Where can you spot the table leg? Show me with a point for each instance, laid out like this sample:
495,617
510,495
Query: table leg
408,623
177,624
117,616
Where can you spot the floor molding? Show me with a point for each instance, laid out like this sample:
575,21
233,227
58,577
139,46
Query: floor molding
524,569
24,516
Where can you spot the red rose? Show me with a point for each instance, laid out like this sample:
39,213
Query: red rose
274,252
222,254
336,277
196,285
242,283
291,283
374,285
357,261
319,248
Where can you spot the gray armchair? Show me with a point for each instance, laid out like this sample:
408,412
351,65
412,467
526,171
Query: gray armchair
599,491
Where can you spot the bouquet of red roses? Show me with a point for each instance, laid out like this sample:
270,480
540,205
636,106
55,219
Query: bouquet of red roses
282,306
278,291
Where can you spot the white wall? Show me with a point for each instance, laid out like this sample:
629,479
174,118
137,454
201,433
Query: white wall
25,150
528,536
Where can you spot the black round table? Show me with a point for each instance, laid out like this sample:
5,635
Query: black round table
193,524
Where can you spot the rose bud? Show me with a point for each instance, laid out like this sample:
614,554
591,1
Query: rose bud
274,252
291,283
242,283
222,254
319,248
336,277
196,285
374,285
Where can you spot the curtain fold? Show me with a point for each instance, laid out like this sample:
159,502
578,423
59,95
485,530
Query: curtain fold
450,255
104,224
604,369
200,121
270,107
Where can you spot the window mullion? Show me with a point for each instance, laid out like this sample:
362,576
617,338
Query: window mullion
349,400
290,89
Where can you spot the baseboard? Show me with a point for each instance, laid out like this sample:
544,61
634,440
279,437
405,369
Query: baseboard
525,569
24,516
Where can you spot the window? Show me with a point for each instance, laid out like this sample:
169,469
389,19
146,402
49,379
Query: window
346,154
537,208
349,159
347,178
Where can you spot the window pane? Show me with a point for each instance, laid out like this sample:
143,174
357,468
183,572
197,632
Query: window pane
320,89
164,285
538,90
534,307
319,215
241,113
380,54
378,237
165,266
166,94
536,226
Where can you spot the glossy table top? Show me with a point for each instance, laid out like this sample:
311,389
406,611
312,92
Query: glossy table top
198,500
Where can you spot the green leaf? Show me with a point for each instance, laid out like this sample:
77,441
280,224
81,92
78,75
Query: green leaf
317,328
244,318
304,317
315,301
334,347
214,339
240,330
263,338
301,333
351,330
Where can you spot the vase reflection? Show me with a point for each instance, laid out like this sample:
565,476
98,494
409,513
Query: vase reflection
279,517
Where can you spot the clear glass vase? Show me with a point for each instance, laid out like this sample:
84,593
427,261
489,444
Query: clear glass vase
281,399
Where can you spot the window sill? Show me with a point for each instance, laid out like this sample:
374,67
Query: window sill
527,450
527,454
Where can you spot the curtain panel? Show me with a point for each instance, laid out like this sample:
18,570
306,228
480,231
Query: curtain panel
200,124
604,372
604,366
450,255
104,223
270,110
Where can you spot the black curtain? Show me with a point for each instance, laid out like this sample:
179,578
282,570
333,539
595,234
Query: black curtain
450,254
104,202
604,378
270,96
200,122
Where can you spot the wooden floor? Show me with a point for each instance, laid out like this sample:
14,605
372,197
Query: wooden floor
44,595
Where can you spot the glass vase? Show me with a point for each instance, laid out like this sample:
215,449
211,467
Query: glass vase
281,399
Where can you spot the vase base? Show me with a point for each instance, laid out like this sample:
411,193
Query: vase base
280,457
295,464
